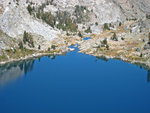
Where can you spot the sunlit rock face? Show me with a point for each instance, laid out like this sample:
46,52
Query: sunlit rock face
110,10
102,10
15,19
133,8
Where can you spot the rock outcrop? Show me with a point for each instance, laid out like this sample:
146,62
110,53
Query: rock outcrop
16,19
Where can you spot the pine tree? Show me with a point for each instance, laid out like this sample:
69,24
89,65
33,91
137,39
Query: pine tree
115,37
25,35
79,34
107,46
39,47
106,27
29,8
120,24
20,45
149,37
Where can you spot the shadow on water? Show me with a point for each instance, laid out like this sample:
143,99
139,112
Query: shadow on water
101,58
74,82
148,76
142,66
12,71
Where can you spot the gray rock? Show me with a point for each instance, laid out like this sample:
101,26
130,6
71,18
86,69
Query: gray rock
146,46
138,49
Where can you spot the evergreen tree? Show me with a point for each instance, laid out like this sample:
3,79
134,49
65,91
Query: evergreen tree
48,49
79,34
88,30
107,46
20,45
29,8
106,27
25,35
114,37
120,24
149,37
39,47
105,41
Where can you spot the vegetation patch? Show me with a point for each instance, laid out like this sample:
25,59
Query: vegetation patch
106,27
3,57
62,20
27,38
88,30
81,14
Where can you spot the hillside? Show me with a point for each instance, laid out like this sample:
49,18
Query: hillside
54,25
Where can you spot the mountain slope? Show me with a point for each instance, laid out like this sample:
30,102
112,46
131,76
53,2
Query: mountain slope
54,25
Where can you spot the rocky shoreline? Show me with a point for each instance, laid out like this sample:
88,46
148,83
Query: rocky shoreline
139,63
36,55
119,44
117,29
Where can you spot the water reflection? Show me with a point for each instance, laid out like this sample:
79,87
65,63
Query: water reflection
52,57
12,71
101,58
141,66
148,76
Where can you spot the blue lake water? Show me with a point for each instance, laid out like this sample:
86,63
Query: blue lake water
86,38
74,83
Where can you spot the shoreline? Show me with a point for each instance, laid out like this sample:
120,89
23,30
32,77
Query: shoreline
35,55
134,62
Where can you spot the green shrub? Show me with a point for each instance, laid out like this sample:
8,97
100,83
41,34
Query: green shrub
48,18
68,34
88,30
96,23
80,15
65,22
48,49
120,24
114,37
149,37
106,27
107,47
105,41
27,38
141,55
53,47
20,45
29,8
105,44
3,57
122,38
79,34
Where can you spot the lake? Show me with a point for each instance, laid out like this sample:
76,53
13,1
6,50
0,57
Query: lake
74,83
